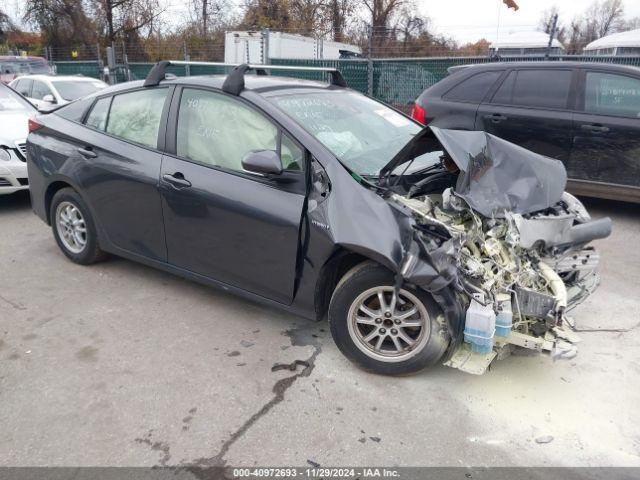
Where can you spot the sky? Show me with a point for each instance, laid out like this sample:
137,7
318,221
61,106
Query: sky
470,20
464,20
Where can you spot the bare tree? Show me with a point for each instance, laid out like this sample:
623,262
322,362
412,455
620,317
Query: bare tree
409,27
267,14
125,17
5,25
310,17
381,15
598,20
340,11
61,22
607,16
630,24
209,14
382,11
546,23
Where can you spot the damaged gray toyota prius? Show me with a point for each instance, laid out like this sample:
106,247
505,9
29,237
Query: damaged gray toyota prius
421,245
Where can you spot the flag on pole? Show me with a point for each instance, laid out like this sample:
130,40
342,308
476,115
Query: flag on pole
511,4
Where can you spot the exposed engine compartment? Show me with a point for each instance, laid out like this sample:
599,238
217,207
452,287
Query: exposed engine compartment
527,269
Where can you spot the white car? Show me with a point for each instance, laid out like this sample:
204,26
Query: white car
47,92
15,112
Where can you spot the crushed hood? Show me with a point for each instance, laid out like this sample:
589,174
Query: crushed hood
495,175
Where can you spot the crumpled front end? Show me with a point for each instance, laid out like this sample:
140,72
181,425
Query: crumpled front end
518,259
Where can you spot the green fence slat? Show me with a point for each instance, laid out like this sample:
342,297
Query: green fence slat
88,69
353,71
397,82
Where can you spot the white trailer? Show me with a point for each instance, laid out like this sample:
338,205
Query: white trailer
251,47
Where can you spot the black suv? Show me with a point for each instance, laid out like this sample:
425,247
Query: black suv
585,114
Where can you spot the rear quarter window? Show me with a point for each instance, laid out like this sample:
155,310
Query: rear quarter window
97,117
74,111
474,88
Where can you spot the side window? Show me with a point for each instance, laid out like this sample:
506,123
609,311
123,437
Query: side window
214,129
608,94
135,116
291,154
542,88
24,87
75,110
504,93
473,89
97,117
39,90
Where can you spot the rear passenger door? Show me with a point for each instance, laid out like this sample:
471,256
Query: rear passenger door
121,150
239,228
532,108
606,141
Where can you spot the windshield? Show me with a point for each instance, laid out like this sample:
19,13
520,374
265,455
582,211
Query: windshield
72,90
12,102
364,134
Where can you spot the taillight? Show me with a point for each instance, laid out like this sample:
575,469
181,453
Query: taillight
33,125
419,114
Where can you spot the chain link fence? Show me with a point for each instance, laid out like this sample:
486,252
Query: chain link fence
395,81
399,82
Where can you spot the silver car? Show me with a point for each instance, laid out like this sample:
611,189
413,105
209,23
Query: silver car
15,112
47,92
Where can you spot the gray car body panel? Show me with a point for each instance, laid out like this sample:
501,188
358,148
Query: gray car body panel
339,213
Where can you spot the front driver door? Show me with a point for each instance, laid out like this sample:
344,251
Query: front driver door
235,227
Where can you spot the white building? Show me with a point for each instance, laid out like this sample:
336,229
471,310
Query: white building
623,43
249,46
525,43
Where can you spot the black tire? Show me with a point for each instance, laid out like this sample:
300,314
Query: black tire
356,283
91,252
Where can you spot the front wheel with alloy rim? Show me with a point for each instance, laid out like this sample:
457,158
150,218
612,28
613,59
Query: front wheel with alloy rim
73,227
381,331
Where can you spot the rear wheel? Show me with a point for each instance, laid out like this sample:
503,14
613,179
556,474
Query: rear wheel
383,332
74,228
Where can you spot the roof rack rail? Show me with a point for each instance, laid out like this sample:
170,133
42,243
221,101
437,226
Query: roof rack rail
234,83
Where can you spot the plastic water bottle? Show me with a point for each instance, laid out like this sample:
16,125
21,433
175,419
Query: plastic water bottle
480,325
504,319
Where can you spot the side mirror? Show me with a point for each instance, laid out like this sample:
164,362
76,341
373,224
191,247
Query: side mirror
49,98
262,162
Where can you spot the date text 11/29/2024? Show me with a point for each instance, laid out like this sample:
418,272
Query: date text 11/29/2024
316,472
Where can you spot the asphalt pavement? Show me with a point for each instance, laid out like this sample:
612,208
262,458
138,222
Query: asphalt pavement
118,364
